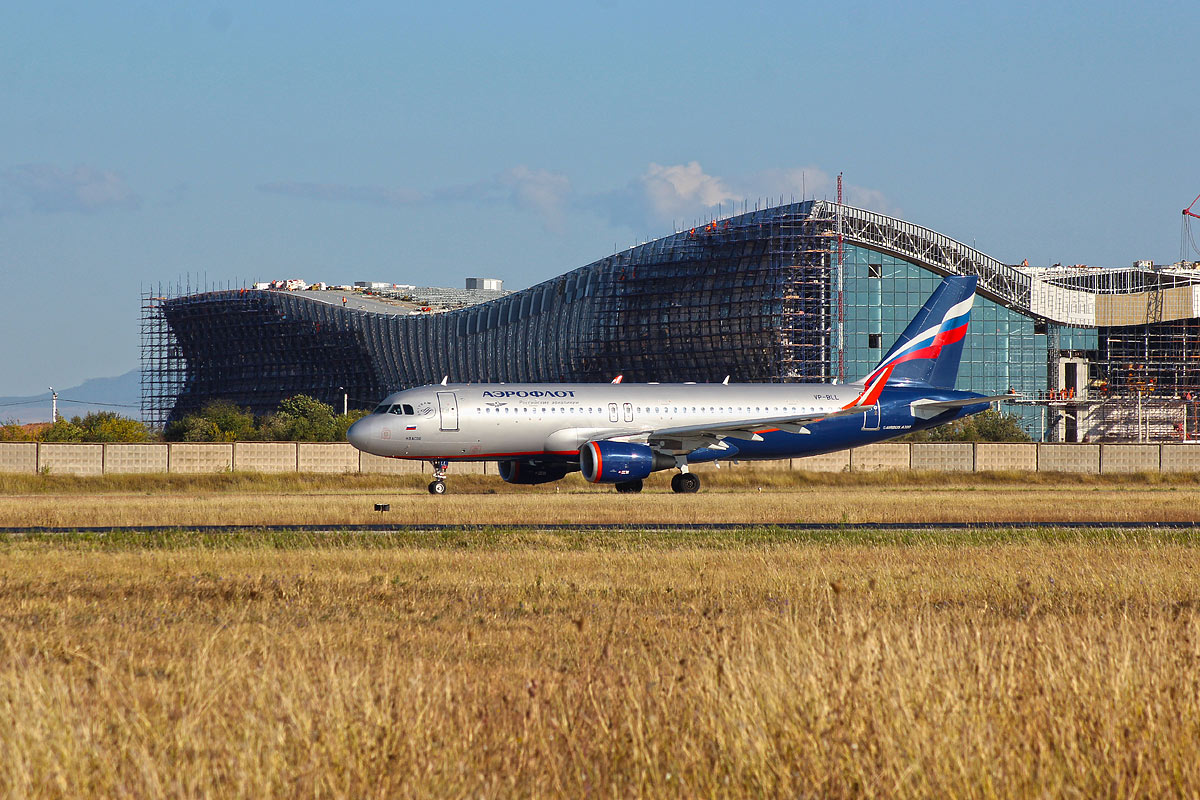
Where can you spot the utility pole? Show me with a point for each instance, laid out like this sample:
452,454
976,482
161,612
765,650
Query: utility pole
53,405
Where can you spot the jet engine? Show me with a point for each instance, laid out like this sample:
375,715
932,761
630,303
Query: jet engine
524,472
617,462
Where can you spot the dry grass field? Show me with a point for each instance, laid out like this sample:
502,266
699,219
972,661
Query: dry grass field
740,497
1050,664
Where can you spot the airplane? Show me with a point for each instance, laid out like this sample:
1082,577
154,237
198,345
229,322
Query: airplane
621,432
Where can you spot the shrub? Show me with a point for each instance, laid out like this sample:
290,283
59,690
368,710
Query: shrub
989,426
219,421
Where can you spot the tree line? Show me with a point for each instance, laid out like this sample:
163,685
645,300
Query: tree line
304,419
298,419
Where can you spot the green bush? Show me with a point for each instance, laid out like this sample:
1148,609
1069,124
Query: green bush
989,426
299,419
95,426
219,421
63,430
16,432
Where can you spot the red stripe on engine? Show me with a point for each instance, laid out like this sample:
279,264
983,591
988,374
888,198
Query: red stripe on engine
599,461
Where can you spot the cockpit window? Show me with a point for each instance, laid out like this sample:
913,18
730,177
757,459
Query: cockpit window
381,409
409,410
403,409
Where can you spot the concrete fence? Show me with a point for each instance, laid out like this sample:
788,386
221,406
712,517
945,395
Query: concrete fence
339,457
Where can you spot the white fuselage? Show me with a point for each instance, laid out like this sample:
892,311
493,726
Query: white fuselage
483,422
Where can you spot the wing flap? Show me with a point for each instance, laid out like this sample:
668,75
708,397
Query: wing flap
711,434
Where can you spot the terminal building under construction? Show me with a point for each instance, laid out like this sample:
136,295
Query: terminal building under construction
810,291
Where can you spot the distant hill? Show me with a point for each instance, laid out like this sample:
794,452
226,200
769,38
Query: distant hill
122,394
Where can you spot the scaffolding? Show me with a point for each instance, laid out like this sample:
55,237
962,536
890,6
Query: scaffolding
746,297
754,296
163,367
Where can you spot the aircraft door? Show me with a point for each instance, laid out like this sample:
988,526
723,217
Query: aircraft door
629,412
448,404
871,419
612,412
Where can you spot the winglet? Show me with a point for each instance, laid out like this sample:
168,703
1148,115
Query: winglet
445,379
618,379
726,381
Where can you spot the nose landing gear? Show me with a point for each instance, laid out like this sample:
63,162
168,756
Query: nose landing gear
438,485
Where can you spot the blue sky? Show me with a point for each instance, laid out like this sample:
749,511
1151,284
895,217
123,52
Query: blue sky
423,143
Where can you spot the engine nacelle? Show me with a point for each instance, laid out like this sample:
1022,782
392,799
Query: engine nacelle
523,472
615,462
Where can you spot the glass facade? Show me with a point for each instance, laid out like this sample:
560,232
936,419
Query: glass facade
882,295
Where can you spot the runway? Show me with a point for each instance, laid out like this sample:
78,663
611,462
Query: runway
611,527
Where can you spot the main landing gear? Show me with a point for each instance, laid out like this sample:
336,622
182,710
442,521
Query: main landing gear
629,487
438,485
685,483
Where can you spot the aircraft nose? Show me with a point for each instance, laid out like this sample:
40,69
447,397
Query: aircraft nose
359,433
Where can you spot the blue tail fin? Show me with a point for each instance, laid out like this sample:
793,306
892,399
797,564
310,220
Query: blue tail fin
930,348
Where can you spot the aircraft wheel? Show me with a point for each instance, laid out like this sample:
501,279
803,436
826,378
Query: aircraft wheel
685,483
437,487
629,487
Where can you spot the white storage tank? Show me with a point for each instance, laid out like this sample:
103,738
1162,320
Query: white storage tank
494,284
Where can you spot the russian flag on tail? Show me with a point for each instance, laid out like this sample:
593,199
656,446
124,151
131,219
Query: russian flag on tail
929,350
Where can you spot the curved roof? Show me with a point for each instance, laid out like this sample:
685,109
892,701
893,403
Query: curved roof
1085,297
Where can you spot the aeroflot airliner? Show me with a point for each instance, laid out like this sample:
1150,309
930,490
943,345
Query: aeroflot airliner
619,433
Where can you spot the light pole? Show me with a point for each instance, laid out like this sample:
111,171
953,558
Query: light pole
53,405
345,400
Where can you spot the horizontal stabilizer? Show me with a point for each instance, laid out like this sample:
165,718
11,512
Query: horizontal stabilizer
928,409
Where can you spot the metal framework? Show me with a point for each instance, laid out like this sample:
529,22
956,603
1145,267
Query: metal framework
997,281
163,369
754,296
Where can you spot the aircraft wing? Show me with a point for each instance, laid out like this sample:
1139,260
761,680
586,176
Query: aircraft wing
686,438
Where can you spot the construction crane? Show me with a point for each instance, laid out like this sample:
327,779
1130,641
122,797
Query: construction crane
1188,211
1185,232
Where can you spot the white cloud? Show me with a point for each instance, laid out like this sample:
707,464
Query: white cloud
647,204
682,188
48,189
685,193
539,191
810,183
